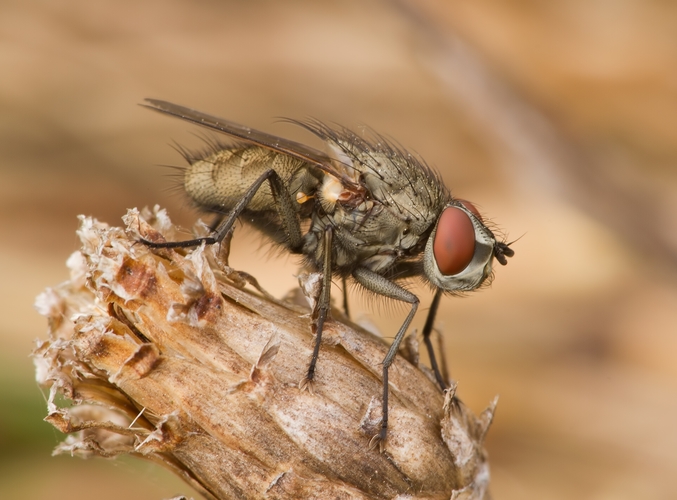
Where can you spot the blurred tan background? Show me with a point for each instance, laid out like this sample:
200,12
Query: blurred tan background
558,119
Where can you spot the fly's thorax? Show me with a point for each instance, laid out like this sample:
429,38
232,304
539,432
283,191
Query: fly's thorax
460,246
367,234
400,182
405,186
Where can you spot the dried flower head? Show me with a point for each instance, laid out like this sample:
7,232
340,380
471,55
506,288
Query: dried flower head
167,355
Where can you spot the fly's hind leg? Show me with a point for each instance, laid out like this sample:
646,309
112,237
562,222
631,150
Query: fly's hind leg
383,286
217,221
321,310
285,207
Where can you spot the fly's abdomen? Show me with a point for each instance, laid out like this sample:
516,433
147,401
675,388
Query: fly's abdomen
220,180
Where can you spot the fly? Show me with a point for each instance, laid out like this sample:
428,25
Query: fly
363,210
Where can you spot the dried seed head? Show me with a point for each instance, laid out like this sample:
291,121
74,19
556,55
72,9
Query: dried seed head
166,356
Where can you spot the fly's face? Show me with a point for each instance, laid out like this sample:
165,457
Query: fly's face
459,253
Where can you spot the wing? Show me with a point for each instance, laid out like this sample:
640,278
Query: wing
252,136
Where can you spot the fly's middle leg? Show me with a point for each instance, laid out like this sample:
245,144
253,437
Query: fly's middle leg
321,311
346,310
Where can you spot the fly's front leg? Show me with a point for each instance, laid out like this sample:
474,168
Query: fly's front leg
285,206
383,286
427,331
321,311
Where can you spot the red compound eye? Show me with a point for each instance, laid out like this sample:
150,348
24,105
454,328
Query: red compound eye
471,208
454,244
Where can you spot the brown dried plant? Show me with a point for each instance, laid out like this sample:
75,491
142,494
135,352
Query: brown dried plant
167,355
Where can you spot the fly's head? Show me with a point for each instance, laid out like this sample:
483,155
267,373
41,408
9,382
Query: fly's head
459,253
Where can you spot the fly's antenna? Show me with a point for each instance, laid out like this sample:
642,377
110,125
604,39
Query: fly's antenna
503,250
